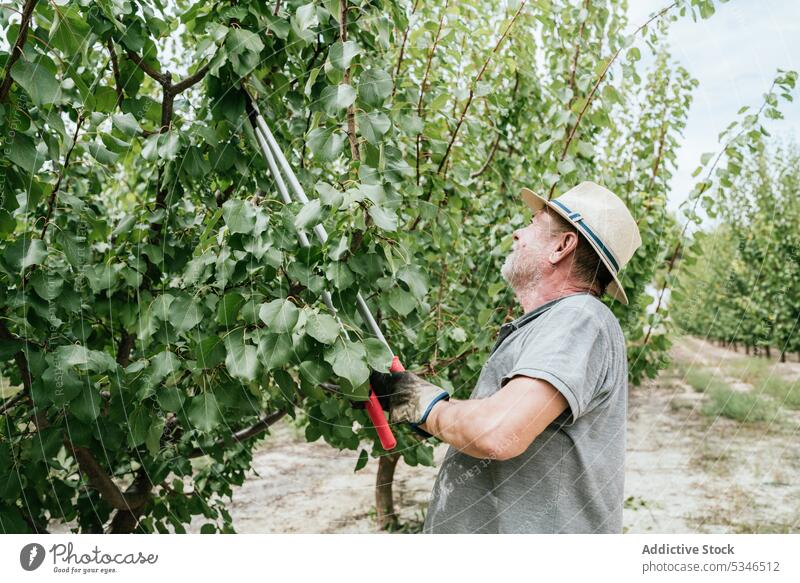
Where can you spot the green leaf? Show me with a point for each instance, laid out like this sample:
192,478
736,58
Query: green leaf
163,364
333,7
102,154
374,86
23,153
228,308
363,458
330,408
203,412
322,327
138,425
240,40
168,144
47,284
341,54
306,16
38,81
328,195
69,30
7,224
275,350
458,334
153,439
105,99
195,164
242,358
326,143
185,313
126,124
379,357
348,360
385,219
401,301
239,215
159,308
309,215
150,148
210,351
80,356
23,253
373,125
279,315
337,98
415,280
171,399
86,406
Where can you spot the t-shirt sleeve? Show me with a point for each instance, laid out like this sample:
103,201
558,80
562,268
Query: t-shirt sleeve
570,351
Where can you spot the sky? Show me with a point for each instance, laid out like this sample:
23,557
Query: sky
734,55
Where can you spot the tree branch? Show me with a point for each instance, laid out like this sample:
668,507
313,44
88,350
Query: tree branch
16,50
126,520
115,69
661,139
471,95
575,57
402,50
52,200
253,430
160,78
424,83
191,80
20,359
102,482
496,143
124,348
9,404
599,80
355,153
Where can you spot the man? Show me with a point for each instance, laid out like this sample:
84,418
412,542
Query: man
539,445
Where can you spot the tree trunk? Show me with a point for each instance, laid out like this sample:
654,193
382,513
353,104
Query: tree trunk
767,351
126,521
747,350
783,356
384,501
735,347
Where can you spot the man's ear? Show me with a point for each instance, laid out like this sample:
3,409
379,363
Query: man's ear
567,243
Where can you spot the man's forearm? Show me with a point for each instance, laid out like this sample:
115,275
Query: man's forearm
462,424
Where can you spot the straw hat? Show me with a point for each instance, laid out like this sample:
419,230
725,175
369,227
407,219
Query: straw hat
603,219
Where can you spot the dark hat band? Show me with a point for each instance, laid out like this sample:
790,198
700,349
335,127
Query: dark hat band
578,220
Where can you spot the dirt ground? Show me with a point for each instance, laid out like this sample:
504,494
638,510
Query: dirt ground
685,472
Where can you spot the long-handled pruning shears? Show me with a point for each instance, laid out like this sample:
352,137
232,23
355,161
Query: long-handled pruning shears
276,162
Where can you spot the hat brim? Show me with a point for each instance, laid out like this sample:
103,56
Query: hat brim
537,203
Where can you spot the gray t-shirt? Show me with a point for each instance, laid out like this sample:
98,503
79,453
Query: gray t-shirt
570,479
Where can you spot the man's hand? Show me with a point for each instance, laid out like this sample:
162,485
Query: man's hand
408,397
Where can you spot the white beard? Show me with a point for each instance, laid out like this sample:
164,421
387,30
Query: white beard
521,272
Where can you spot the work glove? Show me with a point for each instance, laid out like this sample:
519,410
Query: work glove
407,397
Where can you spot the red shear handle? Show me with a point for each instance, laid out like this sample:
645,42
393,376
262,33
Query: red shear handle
377,416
